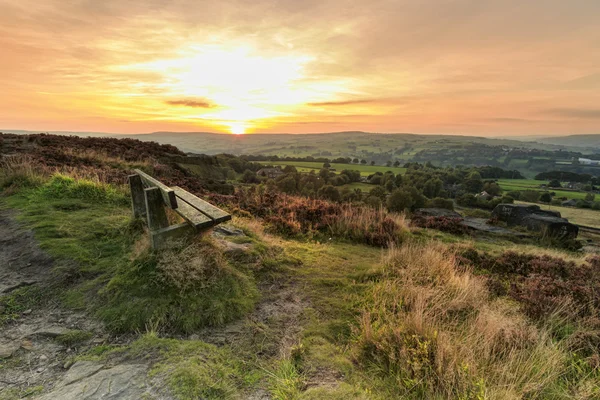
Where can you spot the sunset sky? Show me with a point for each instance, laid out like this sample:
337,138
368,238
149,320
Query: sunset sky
484,67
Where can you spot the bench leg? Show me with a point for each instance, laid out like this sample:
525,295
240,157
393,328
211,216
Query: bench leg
157,217
138,202
162,237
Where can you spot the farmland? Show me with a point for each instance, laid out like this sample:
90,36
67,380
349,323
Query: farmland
530,184
365,170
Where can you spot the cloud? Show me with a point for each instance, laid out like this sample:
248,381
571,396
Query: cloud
577,113
341,103
191,103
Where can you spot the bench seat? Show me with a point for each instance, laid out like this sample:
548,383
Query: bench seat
198,212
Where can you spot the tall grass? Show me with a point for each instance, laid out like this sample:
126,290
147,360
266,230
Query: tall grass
296,215
370,225
434,331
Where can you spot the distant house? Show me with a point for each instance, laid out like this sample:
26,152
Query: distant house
485,195
587,161
270,173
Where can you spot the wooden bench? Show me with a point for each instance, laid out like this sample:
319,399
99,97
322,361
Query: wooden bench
149,197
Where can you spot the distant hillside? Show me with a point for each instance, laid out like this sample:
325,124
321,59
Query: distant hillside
588,141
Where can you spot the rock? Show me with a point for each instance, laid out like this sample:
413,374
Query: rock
27,312
27,345
436,212
81,370
51,331
88,380
227,230
43,358
7,350
535,219
194,337
98,340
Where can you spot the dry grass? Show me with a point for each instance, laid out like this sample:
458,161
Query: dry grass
196,266
438,333
360,222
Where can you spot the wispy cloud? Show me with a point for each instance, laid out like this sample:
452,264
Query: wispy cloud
341,103
191,103
577,113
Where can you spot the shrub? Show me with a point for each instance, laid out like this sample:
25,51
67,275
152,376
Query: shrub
530,196
399,201
433,331
439,202
542,284
444,224
293,215
546,197
514,194
180,289
329,192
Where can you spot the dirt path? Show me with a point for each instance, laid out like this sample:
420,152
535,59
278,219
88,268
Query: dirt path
22,262
35,360
35,345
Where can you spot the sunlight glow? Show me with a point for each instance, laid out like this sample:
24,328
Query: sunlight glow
234,86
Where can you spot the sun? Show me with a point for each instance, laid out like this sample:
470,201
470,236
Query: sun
237,128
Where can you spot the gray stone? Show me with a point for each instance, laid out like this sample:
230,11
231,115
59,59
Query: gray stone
436,212
481,224
533,218
88,380
51,331
8,349
226,230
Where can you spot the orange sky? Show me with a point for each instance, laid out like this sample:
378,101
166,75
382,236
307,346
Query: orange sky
484,67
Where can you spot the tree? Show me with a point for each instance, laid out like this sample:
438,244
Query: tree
286,184
546,197
492,188
397,163
590,197
432,188
554,183
326,165
473,185
388,164
400,200
363,161
355,161
290,169
372,162
378,191
249,177
324,174
330,193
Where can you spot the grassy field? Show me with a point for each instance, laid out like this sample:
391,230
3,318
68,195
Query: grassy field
530,184
365,170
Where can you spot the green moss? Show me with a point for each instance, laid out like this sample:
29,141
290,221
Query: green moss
16,393
19,300
194,369
73,338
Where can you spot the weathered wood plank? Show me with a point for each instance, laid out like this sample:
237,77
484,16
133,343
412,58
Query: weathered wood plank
167,236
138,202
193,216
204,207
167,193
157,217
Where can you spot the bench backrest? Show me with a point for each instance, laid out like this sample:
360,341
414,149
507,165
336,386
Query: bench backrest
167,193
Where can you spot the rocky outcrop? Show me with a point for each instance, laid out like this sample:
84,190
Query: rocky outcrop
87,380
436,212
545,222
